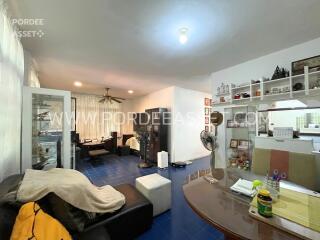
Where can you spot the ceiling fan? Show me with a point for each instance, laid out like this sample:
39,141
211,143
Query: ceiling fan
107,98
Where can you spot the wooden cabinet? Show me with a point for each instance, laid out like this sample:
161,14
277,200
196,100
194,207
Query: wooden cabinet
157,128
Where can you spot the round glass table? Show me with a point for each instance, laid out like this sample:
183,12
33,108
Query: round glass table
227,210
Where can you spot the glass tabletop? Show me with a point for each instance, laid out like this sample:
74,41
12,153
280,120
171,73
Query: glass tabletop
224,209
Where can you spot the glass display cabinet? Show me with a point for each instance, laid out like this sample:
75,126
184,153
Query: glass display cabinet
240,136
46,126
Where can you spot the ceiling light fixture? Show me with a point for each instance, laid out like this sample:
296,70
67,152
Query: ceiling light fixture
183,37
130,91
78,84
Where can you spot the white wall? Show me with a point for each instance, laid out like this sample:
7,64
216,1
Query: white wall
127,126
184,141
11,80
159,99
256,69
188,122
162,98
31,78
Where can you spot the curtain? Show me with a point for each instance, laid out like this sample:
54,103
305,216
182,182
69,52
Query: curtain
96,120
11,80
33,78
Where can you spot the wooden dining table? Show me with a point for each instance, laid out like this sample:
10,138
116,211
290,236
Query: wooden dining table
227,210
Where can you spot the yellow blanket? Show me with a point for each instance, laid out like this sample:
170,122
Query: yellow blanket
32,223
297,207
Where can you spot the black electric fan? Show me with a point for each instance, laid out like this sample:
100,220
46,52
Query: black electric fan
209,139
143,139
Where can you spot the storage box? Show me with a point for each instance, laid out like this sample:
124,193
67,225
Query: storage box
162,159
283,132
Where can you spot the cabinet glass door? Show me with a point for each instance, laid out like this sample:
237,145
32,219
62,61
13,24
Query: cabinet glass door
240,135
47,130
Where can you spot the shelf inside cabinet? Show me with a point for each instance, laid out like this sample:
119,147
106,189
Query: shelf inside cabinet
298,76
314,73
299,92
42,120
314,91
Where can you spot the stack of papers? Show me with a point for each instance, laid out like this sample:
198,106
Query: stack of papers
244,187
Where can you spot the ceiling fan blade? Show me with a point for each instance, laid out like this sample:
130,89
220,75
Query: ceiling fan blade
102,100
116,100
119,98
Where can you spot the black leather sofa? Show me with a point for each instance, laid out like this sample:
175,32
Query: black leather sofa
134,218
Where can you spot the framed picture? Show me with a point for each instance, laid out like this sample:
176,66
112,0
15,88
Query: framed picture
206,111
206,128
234,143
207,102
243,144
206,120
298,66
240,117
230,124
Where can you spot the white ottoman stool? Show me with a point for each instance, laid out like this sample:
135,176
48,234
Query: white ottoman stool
157,189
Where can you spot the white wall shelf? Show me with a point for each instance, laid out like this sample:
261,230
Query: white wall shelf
277,94
255,84
222,94
309,80
241,87
277,80
241,99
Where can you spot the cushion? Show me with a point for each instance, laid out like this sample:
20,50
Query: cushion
305,162
266,160
279,163
153,181
33,223
71,217
157,189
8,215
261,161
8,191
134,218
10,184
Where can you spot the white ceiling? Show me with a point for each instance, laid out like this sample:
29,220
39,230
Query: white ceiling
133,44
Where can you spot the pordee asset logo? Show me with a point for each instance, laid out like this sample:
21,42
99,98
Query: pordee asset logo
36,22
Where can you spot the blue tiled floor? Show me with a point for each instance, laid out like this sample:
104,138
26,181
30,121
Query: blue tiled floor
178,223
